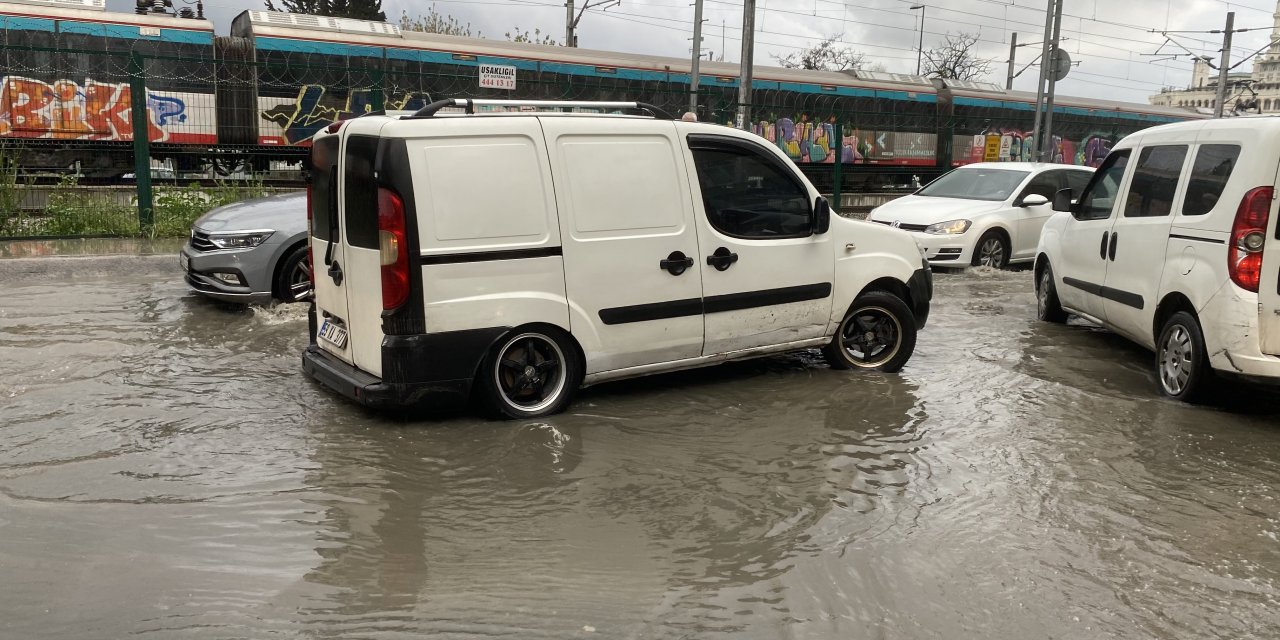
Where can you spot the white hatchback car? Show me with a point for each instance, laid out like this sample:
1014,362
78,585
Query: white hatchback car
986,214
1173,245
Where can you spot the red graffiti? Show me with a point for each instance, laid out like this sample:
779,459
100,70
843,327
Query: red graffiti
64,110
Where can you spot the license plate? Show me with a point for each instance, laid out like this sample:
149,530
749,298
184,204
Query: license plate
333,333
184,261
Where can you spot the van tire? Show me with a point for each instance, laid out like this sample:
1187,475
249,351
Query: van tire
291,275
878,333
1048,307
991,250
532,371
1182,365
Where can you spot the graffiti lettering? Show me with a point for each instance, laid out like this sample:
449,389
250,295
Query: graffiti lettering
69,111
316,108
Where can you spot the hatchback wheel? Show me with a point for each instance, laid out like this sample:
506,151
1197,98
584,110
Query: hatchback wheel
1182,366
991,251
532,373
879,333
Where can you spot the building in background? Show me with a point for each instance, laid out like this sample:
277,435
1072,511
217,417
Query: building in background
1256,91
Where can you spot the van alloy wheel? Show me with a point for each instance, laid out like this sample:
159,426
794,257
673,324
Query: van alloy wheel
530,373
871,337
1175,361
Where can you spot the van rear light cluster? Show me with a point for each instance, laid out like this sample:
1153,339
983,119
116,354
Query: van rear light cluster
392,249
1248,237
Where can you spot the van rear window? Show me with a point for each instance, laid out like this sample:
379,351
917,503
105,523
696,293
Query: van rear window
1209,176
360,195
324,158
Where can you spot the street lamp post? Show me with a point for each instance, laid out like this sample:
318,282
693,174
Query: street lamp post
920,47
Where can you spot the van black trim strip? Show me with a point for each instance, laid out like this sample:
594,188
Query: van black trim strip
1211,240
485,256
714,304
766,297
1110,293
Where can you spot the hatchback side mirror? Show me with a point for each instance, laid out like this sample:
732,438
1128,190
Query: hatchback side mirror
1034,200
1062,200
821,216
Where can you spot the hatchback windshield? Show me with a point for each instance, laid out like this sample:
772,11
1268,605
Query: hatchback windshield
975,184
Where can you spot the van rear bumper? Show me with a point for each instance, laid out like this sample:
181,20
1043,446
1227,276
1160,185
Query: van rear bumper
376,393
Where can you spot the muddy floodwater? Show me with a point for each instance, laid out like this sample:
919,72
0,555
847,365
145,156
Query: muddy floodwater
166,471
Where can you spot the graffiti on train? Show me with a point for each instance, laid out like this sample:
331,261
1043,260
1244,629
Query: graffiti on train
316,108
1013,145
67,110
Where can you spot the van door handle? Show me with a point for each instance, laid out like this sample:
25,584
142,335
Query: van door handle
722,259
676,263
335,272
1112,251
1102,251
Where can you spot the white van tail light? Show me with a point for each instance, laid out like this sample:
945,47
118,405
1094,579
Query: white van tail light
392,249
1248,236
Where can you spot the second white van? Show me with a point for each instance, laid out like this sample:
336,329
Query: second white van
523,254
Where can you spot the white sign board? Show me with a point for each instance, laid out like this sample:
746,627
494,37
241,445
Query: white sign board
494,76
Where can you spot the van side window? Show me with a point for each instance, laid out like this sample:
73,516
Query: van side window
1154,181
1209,175
324,157
1077,181
360,191
747,196
1100,195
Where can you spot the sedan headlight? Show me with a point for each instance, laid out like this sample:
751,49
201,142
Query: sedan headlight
245,240
949,228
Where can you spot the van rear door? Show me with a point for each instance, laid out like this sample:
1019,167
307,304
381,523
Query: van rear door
1269,278
333,334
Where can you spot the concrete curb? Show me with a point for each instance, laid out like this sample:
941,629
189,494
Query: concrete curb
77,267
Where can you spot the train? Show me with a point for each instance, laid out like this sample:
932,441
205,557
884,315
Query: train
257,95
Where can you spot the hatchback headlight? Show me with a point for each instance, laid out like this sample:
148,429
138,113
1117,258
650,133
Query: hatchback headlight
949,228
246,240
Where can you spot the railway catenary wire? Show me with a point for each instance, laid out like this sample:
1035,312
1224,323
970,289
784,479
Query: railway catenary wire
256,95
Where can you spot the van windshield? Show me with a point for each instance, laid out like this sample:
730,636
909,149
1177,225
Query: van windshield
976,184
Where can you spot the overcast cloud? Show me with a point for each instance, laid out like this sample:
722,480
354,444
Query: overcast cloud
1108,38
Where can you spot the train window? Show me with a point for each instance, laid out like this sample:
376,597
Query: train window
746,194
1209,175
1154,181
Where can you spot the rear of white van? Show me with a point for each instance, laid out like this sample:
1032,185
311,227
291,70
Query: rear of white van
431,239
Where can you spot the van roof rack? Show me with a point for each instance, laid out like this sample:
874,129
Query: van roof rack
470,106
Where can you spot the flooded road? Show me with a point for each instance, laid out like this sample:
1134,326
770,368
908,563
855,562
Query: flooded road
166,470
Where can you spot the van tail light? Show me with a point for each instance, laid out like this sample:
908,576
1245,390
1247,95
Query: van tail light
392,249
311,263
1248,236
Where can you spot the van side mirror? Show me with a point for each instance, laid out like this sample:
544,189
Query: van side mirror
821,216
1034,200
1062,200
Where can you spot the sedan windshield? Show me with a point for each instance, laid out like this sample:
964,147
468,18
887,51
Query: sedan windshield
975,184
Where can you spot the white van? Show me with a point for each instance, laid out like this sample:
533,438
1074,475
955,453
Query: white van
527,253
1167,245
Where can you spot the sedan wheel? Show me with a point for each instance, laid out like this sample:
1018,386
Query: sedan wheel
991,251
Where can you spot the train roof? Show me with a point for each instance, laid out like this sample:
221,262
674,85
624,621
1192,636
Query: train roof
95,11
360,32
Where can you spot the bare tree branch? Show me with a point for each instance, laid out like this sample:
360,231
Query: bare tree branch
956,59
824,56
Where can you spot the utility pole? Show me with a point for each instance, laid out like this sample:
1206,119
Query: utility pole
1224,66
1051,63
920,45
1013,48
694,78
1044,73
748,49
568,23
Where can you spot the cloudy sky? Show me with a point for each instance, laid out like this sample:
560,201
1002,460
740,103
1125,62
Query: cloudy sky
1110,39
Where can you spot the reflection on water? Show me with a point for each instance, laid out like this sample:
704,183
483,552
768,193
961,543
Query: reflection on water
166,470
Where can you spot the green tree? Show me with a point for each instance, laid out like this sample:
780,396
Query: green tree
537,38
436,22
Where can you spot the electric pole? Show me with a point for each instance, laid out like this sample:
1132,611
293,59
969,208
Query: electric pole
748,48
1013,48
1224,67
569,23
1052,62
694,78
1044,73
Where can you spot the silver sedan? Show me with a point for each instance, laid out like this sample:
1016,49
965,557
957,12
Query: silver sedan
251,252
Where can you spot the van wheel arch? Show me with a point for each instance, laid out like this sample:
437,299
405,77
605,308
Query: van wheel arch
887,285
1172,303
562,335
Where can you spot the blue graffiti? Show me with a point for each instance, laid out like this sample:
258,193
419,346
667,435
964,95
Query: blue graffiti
163,108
